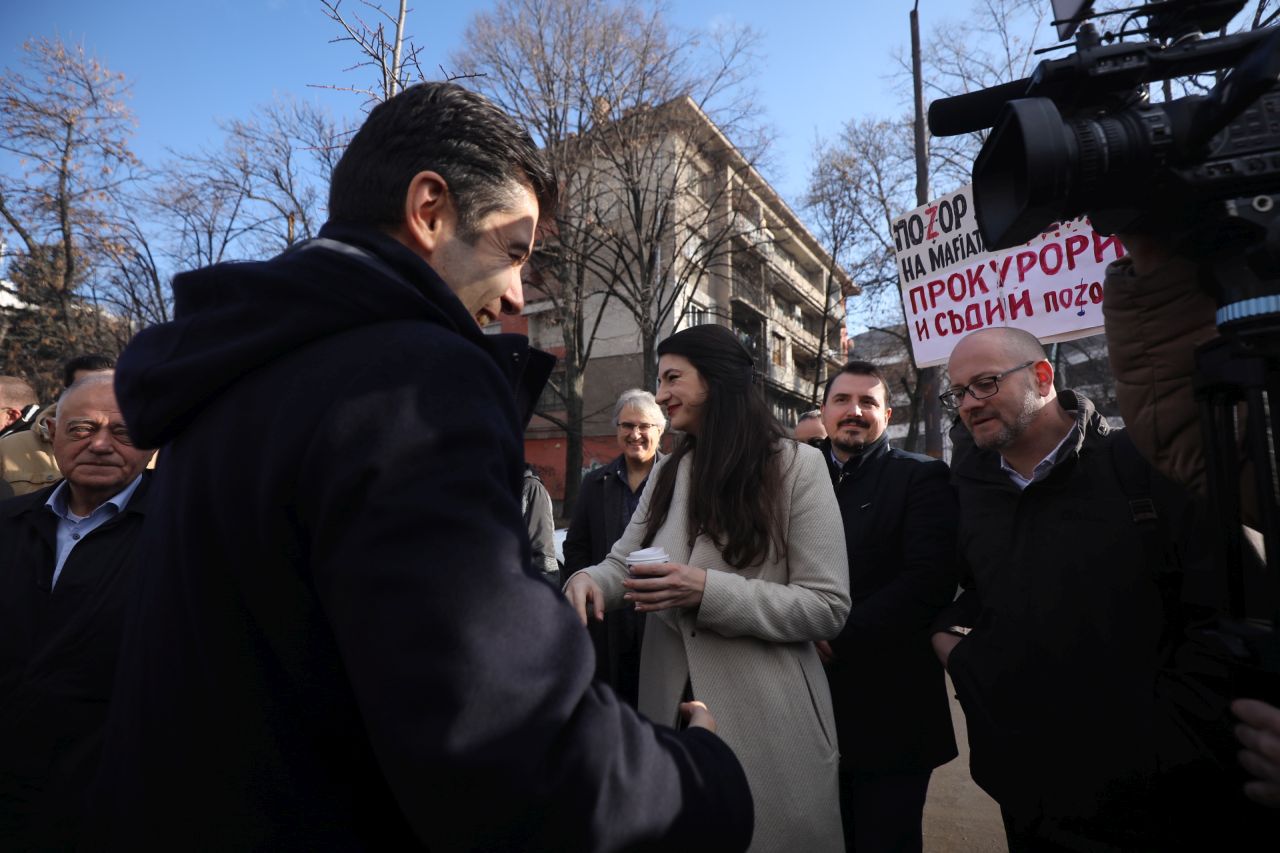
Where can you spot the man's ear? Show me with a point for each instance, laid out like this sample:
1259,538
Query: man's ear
888,413
1044,373
429,214
51,424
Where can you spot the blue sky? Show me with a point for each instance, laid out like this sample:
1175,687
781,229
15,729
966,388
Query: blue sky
193,63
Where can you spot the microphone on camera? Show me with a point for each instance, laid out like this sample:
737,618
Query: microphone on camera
974,110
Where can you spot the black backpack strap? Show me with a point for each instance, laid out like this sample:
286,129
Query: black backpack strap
1151,512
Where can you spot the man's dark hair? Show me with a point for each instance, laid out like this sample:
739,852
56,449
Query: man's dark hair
477,148
88,361
858,368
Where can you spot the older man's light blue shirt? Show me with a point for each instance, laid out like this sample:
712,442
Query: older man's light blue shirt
73,528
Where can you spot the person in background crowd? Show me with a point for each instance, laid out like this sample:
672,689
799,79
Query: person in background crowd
66,564
606,501
757,572
26,458
535,508
1071,662
346,649
83,365
888,688
809,428
18,405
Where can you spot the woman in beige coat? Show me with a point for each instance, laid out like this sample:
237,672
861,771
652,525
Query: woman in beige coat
757,573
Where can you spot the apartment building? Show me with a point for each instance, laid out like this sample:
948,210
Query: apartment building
676,227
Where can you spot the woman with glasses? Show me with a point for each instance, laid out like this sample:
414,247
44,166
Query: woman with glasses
757,572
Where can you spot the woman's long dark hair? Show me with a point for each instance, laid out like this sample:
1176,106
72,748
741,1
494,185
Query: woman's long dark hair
735,487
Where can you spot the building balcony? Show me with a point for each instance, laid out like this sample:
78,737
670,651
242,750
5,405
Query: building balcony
791,381
789,278
750,293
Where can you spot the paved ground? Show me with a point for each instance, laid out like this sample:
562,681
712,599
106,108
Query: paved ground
958,816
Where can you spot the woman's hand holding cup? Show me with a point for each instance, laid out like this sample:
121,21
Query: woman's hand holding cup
657,584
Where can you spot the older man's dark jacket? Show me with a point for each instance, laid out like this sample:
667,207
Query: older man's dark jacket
599,519
338,642
58,647
888,688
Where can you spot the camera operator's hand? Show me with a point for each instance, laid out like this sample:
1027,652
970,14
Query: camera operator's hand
1259,733
1147,251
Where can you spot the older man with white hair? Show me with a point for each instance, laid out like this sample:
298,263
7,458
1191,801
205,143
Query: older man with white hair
66,559
606,502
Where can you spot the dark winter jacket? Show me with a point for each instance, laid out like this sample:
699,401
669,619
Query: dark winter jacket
1077,681
889,691
57,662
599,517
338,642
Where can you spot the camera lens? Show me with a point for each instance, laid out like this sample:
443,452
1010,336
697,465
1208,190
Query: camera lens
1036,168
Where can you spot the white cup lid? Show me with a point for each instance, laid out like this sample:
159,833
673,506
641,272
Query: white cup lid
649,555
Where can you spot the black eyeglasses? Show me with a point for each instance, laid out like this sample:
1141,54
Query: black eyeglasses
978,389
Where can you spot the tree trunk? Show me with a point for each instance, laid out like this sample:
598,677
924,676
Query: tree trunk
911,443
64,214
649,353
573,456
929,391
822,337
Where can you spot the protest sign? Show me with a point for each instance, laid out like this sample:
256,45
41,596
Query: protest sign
1050,286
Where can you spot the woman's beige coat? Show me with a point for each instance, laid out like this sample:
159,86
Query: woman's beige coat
748,649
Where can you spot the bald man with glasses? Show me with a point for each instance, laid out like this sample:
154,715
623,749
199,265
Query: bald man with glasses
1065,643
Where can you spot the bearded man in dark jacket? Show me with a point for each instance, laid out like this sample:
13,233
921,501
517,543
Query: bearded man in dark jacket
348,649
892,715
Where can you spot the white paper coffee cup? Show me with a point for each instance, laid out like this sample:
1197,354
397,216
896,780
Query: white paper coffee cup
648,555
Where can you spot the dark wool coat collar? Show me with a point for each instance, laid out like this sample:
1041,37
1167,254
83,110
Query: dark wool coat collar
854,463
234,318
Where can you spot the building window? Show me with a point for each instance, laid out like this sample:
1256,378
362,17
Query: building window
698,315
779,350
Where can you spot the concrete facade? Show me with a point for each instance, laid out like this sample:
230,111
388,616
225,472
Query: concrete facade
734,253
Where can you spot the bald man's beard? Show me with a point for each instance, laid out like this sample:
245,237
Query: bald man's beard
1011,432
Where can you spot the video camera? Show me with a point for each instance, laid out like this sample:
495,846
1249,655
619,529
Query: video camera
1081,136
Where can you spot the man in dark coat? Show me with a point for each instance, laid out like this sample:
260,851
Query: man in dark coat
889,691
606,501
349,649
1067,648
66,564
